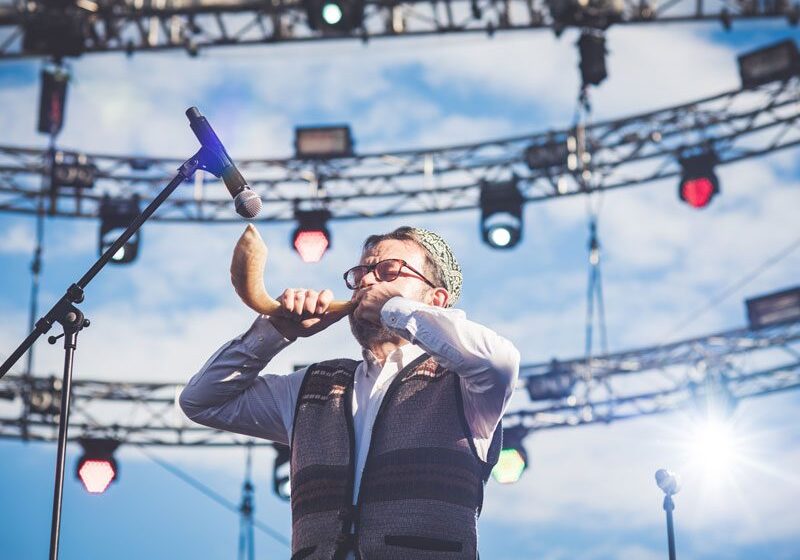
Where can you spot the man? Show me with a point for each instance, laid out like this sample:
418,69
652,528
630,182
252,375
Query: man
389,454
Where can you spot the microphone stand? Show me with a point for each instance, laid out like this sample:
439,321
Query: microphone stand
669,506
72,321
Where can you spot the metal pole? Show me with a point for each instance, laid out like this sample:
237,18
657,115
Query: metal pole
70,343
669,505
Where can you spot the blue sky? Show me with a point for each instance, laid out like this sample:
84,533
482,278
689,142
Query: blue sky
589,492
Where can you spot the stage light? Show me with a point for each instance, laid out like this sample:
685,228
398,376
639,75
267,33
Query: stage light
73,170
55,30
501,214
281,482
97,468
323,142
311,238
546,155
336,17
592,48
116,214
780,61
553,385
513,459
45,396
699,183
595,14
52,99
778,308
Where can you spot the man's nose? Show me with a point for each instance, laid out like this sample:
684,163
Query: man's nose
369,279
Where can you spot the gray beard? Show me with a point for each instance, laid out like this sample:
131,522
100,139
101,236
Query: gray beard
369,335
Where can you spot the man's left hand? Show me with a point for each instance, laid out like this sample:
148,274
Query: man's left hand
370,301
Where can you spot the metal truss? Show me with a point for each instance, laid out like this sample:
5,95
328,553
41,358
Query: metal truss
689,374
194,25
134,413
734,126
739,363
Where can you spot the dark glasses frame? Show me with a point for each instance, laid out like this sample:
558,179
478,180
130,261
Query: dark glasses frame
367,268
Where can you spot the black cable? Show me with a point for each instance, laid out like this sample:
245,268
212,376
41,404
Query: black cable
716,300
202,488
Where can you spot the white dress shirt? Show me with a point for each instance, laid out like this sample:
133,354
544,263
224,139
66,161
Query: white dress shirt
228,394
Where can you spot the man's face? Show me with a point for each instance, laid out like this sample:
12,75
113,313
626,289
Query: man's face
408,284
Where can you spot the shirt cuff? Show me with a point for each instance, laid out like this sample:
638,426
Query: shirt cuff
263,340
397,314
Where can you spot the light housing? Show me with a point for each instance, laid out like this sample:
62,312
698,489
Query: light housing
311,239
501,214
513,459
777,308
52,100
592,49
546,155
323,142
596,14
73,170
116,214
699,184
56,28
97,468
780,61
556,384
335,17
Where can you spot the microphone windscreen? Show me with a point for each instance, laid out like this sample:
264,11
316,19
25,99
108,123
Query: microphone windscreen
667,481
247,204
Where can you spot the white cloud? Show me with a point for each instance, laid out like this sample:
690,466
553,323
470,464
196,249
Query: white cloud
17,239
159,319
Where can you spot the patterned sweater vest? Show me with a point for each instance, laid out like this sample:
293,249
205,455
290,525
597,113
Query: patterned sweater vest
422,486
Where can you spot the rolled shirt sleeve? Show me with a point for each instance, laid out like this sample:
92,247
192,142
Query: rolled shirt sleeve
228,394
487,363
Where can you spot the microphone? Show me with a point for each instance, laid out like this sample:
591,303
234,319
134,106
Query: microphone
668,481
247,202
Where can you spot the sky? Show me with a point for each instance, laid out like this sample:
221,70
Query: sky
589,492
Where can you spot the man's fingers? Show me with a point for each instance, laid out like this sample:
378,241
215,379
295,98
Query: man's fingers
310,305
323,301
299,302
287,301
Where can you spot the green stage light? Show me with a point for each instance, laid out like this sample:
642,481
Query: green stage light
513,459
510,466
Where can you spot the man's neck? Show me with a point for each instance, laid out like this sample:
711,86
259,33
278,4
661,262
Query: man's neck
383,349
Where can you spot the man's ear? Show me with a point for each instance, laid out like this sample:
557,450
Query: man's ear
439,297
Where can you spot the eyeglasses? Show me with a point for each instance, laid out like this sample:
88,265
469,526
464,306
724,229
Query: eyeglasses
386,271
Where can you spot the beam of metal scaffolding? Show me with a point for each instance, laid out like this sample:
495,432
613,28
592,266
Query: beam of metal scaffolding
744,363
614,154
195,25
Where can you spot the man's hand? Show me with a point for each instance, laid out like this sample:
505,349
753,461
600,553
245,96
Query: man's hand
303,312
370,300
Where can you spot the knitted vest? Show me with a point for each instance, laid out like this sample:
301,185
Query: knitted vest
422,486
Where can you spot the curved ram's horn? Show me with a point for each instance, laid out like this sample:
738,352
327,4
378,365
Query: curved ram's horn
247,276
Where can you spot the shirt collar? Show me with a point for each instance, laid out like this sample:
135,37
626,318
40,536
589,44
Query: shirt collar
402,356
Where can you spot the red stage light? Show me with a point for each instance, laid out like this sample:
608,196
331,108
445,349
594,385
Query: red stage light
96,475
96,468
697,192
311,245
699,183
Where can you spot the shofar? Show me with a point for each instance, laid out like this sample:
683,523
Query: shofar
247,276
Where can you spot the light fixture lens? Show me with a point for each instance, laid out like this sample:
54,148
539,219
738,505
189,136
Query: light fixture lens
331,13
697,192
311,245
499,236
510,466
120,254
96,475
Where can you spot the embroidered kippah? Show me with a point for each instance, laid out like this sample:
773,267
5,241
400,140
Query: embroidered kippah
444,257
